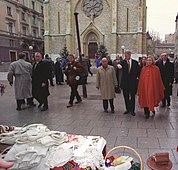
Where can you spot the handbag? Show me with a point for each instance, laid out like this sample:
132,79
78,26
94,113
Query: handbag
81,79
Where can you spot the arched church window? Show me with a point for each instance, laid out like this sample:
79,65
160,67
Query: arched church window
92,8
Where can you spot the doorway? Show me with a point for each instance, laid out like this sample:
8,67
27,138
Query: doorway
92,49
13,56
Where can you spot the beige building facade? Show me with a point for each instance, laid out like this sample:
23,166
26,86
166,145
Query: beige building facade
176,36
21,28
117,24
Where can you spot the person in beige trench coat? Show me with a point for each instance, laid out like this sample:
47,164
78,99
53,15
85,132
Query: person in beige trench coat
106,82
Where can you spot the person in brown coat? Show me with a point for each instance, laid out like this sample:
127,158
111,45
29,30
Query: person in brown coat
73,70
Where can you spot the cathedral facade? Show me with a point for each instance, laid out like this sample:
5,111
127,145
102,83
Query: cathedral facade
116,24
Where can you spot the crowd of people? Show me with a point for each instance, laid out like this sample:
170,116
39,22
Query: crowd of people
149,79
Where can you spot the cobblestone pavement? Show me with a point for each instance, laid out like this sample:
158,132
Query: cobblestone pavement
157,134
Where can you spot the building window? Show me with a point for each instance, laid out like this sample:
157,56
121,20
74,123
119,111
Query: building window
33,5
42,9
42,23
11,43
34,32
24,30
10,27
42,33
23,16
9,11
34,20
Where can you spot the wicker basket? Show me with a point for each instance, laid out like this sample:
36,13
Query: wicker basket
127,147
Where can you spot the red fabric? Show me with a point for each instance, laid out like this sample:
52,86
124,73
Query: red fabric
150,87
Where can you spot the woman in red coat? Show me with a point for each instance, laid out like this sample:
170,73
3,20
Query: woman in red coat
150,87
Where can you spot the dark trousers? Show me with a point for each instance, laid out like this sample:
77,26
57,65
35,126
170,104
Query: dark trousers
51,81
146,111
129,99
166,98
105,104
22,101
43,100
74,93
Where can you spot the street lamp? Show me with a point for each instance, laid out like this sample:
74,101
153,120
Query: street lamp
31,56
123,50
30,47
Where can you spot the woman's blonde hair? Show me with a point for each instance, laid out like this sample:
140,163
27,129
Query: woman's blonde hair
153,59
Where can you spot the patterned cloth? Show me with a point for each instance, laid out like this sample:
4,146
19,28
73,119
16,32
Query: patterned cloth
5,128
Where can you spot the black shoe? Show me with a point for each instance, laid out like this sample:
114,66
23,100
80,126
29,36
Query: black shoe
112,111
133,113
69,105
79,101
19,109
168,104
106,111
52,84
126,112
44,108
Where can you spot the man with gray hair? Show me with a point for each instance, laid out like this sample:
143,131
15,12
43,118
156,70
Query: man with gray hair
22,71
106,82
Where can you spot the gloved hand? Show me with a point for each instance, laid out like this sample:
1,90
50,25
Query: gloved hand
11,83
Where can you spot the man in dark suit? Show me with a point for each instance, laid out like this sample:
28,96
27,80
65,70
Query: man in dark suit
167,74
40,87
129,82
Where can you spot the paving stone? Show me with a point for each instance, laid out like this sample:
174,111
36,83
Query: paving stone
137,132
148,143
170,143
156,133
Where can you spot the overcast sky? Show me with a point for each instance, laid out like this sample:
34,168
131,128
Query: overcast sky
161,16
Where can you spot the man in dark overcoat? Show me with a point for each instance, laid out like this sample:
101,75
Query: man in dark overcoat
129,82
40,88
167,75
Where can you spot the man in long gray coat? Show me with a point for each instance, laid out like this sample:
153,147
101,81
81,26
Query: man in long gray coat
106,81
22,71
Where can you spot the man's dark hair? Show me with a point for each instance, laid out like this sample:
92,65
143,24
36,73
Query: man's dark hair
21,55
46,56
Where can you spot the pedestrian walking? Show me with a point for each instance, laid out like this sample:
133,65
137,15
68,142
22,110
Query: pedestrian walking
58,71
51,68
150,87
129,82
40,88
167,75
106,82
73,70
22,72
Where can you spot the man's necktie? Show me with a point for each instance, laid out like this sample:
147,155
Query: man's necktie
35,65
128,62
